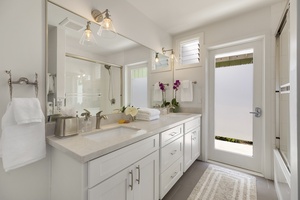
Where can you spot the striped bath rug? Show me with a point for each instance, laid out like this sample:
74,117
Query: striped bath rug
218,183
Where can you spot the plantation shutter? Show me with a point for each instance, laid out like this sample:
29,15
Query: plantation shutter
189,52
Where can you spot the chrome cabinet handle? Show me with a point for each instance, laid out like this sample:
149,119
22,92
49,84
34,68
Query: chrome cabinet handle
131,175
139,174
257,112
173,133
173,152
175,173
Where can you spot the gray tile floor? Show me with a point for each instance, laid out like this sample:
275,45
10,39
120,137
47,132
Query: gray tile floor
182,189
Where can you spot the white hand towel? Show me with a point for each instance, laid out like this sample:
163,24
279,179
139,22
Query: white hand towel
49,83
146,117
149,111
157,93
27,110
186,91
21,144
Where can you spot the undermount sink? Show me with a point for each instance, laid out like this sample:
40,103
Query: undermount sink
115,135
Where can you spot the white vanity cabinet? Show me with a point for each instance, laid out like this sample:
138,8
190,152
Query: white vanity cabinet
139,181
129,173
192,130
171,158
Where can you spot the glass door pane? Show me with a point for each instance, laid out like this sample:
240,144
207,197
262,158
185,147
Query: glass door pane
233,101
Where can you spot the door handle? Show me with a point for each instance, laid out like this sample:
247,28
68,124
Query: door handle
257,112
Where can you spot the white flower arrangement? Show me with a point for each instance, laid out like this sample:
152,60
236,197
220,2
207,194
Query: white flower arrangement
130,110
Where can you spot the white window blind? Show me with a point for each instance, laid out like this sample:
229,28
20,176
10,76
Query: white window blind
189,52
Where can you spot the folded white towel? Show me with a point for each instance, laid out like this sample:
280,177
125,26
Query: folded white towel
149,111
49,83
186,91
157,93
146,117
21,144
27,110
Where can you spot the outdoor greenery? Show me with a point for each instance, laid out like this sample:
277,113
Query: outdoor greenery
227,139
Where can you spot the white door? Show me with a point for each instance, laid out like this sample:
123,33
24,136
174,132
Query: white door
235,105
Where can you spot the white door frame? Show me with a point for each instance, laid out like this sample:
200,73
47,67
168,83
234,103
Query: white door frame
208,93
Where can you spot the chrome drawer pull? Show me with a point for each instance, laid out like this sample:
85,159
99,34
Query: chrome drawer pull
173,133
131,185
139,174
175,173
174,152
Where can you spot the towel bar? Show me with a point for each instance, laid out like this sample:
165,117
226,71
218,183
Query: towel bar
167,84
22,81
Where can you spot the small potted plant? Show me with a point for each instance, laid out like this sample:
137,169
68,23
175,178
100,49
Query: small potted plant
174,102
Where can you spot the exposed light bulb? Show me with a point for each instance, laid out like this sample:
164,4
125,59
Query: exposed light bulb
156,57
87,37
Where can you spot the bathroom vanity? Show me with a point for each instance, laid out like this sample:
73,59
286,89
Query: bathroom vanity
139,160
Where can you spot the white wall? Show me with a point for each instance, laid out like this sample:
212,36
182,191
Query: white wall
22,50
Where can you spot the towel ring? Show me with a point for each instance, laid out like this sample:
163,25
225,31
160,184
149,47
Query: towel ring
22,81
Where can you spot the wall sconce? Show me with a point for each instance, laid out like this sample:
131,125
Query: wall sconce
87,37
156,57
172,56
107,28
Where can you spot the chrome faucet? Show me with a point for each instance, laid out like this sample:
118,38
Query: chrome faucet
98,119
86,114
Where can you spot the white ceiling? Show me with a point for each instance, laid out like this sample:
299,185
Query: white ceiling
177,16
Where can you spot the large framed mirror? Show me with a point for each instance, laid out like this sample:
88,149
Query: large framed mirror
86,76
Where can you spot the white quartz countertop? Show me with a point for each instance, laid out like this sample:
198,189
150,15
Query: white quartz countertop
84,149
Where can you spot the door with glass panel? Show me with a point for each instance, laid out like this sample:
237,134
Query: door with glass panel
235,102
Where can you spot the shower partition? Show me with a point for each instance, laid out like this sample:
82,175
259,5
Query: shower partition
282,152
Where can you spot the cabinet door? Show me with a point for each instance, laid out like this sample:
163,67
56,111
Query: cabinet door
118,187
187,151
147,178
195,143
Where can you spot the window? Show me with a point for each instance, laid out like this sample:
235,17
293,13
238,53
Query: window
189,51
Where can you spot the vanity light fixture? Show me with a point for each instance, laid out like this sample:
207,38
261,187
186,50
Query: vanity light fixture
172,56
87,37
156,57
107,28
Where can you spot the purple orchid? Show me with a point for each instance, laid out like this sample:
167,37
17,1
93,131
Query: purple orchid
176,85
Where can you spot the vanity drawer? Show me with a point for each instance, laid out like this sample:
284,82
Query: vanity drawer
188,126
110,164
169,177
170,153
171,135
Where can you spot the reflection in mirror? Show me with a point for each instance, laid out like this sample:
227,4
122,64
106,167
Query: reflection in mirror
81,76
162,62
